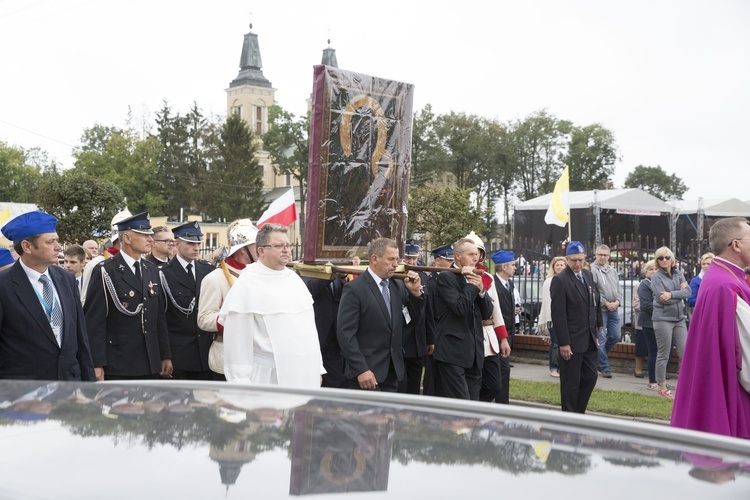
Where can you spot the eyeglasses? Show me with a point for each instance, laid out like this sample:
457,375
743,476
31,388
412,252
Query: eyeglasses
168,242
576,260
602,255
278,246
664,257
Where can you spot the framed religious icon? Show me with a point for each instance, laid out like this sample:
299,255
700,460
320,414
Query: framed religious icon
359,163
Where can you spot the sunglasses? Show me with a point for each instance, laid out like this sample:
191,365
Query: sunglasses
664,257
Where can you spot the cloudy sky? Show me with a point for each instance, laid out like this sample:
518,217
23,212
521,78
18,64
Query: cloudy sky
671,79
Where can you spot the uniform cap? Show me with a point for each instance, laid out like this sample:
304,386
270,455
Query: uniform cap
190,231
443,251
411,250
139,223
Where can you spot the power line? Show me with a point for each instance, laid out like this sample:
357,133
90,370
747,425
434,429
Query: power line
36,133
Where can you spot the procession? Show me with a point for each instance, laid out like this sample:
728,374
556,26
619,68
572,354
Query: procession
331,296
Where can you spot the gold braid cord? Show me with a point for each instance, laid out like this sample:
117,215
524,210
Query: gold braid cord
345,132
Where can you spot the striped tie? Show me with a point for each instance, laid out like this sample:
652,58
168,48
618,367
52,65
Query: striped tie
53,309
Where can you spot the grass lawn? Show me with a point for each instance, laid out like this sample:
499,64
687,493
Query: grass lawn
611,402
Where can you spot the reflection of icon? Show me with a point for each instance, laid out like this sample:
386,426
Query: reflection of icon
336,453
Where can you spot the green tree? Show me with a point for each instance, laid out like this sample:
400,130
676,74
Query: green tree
461,139
120,157
236,173
287,143
83,204
656,181
174,156
592,154
446,214
424,147
499,177
21,173
539,142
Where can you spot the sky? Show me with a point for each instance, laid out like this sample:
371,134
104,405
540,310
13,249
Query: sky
670,79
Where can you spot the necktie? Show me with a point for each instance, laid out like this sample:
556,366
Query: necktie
53,309
190,272
386,295
507,285
580,278
137,266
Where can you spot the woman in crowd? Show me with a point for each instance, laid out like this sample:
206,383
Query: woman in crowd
646,298
545,315
695,283
669,290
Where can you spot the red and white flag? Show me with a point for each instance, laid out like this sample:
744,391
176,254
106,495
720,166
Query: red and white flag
281,211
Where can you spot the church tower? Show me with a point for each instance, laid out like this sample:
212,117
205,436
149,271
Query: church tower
251,96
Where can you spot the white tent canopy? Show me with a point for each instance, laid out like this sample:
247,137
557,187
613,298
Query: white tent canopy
627,201
731,207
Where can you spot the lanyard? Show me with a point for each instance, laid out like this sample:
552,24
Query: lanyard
47,308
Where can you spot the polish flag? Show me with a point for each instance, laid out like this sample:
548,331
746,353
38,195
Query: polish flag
281,211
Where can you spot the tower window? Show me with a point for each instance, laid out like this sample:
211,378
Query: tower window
259,120
237,110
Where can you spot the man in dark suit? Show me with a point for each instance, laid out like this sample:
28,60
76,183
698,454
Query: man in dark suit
461,305
505,269
442,256
181,284
124,310
161,248
418,339
326,296
576,317
42,328
373,311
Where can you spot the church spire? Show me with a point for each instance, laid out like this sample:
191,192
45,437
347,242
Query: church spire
250,64
329,56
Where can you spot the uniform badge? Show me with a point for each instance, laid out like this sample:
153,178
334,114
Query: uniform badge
151,288
125,305
132,293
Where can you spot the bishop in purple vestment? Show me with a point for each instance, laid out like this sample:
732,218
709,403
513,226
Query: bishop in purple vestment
709,395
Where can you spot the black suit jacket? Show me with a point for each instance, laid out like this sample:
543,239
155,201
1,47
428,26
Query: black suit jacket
507,303
158,263
460,311
576,314
416,335
326,296
188,343
127,345
369,340
28,349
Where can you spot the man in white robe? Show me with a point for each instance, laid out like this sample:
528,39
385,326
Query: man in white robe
269,323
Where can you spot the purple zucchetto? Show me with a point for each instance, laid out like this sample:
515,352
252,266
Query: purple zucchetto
503,257
575,247
29,224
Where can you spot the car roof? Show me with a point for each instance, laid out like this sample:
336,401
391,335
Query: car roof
217,439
